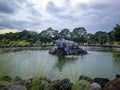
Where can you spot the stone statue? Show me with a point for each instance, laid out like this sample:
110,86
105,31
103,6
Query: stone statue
66,47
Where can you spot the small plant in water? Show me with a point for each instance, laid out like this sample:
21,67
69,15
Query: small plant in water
116,54
4,68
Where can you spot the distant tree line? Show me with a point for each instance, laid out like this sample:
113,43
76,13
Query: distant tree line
48,36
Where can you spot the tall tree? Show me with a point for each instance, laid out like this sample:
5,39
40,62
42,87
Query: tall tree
111,36
79,35
101,37
48,35
90,38
66,33
117,32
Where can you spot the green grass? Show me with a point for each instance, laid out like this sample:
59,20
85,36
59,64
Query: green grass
5,68
38,81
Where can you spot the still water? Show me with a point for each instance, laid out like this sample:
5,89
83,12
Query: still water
32,63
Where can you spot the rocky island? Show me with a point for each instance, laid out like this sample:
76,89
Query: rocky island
66,47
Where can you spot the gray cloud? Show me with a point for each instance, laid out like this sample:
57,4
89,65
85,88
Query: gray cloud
95,15
32,10
60,12
6,7
9,6
9,9
12,24
52,8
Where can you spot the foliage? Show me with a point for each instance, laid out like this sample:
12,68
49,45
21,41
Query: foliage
66,34
79,35
37,85
19,42
117,32
116,54
111,36
4,69
48,36
90,38
101,37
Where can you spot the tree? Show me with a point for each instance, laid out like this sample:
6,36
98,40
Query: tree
48,35
101,37
79,35
117,32
66,34
90,38
111,36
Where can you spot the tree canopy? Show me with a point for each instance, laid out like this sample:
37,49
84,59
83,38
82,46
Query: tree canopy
78,35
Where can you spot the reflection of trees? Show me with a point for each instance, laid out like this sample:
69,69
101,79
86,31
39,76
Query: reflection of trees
117,62
62,61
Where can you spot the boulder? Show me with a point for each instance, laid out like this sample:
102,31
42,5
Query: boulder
1,86
84,82
101,81
95,86
83,85
28,83
64,84
118,76
17,78
14,86
66,47
17,87
113,85
85,78
7,78
38,84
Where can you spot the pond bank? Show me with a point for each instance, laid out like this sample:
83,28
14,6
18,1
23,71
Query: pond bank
99,48
90,48
83,83
6,49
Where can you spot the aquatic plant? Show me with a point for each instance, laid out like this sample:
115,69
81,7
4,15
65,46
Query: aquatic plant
5,68
116,54
40,81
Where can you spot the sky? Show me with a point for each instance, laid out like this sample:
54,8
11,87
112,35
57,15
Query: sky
38,15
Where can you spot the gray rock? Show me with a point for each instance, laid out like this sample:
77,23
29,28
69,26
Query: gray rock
17,87
17,78
83,85
1,86
95,86
101,81
66,47
64,84
7,78
28,83
85,78
112,85
117,76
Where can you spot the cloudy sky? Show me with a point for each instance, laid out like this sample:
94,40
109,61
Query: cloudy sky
38,15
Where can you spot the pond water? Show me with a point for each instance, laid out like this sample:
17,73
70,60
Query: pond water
32,63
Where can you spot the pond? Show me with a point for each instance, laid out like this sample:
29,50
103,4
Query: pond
33,63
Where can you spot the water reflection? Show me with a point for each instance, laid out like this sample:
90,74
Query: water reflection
62,61
117,62
30,63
